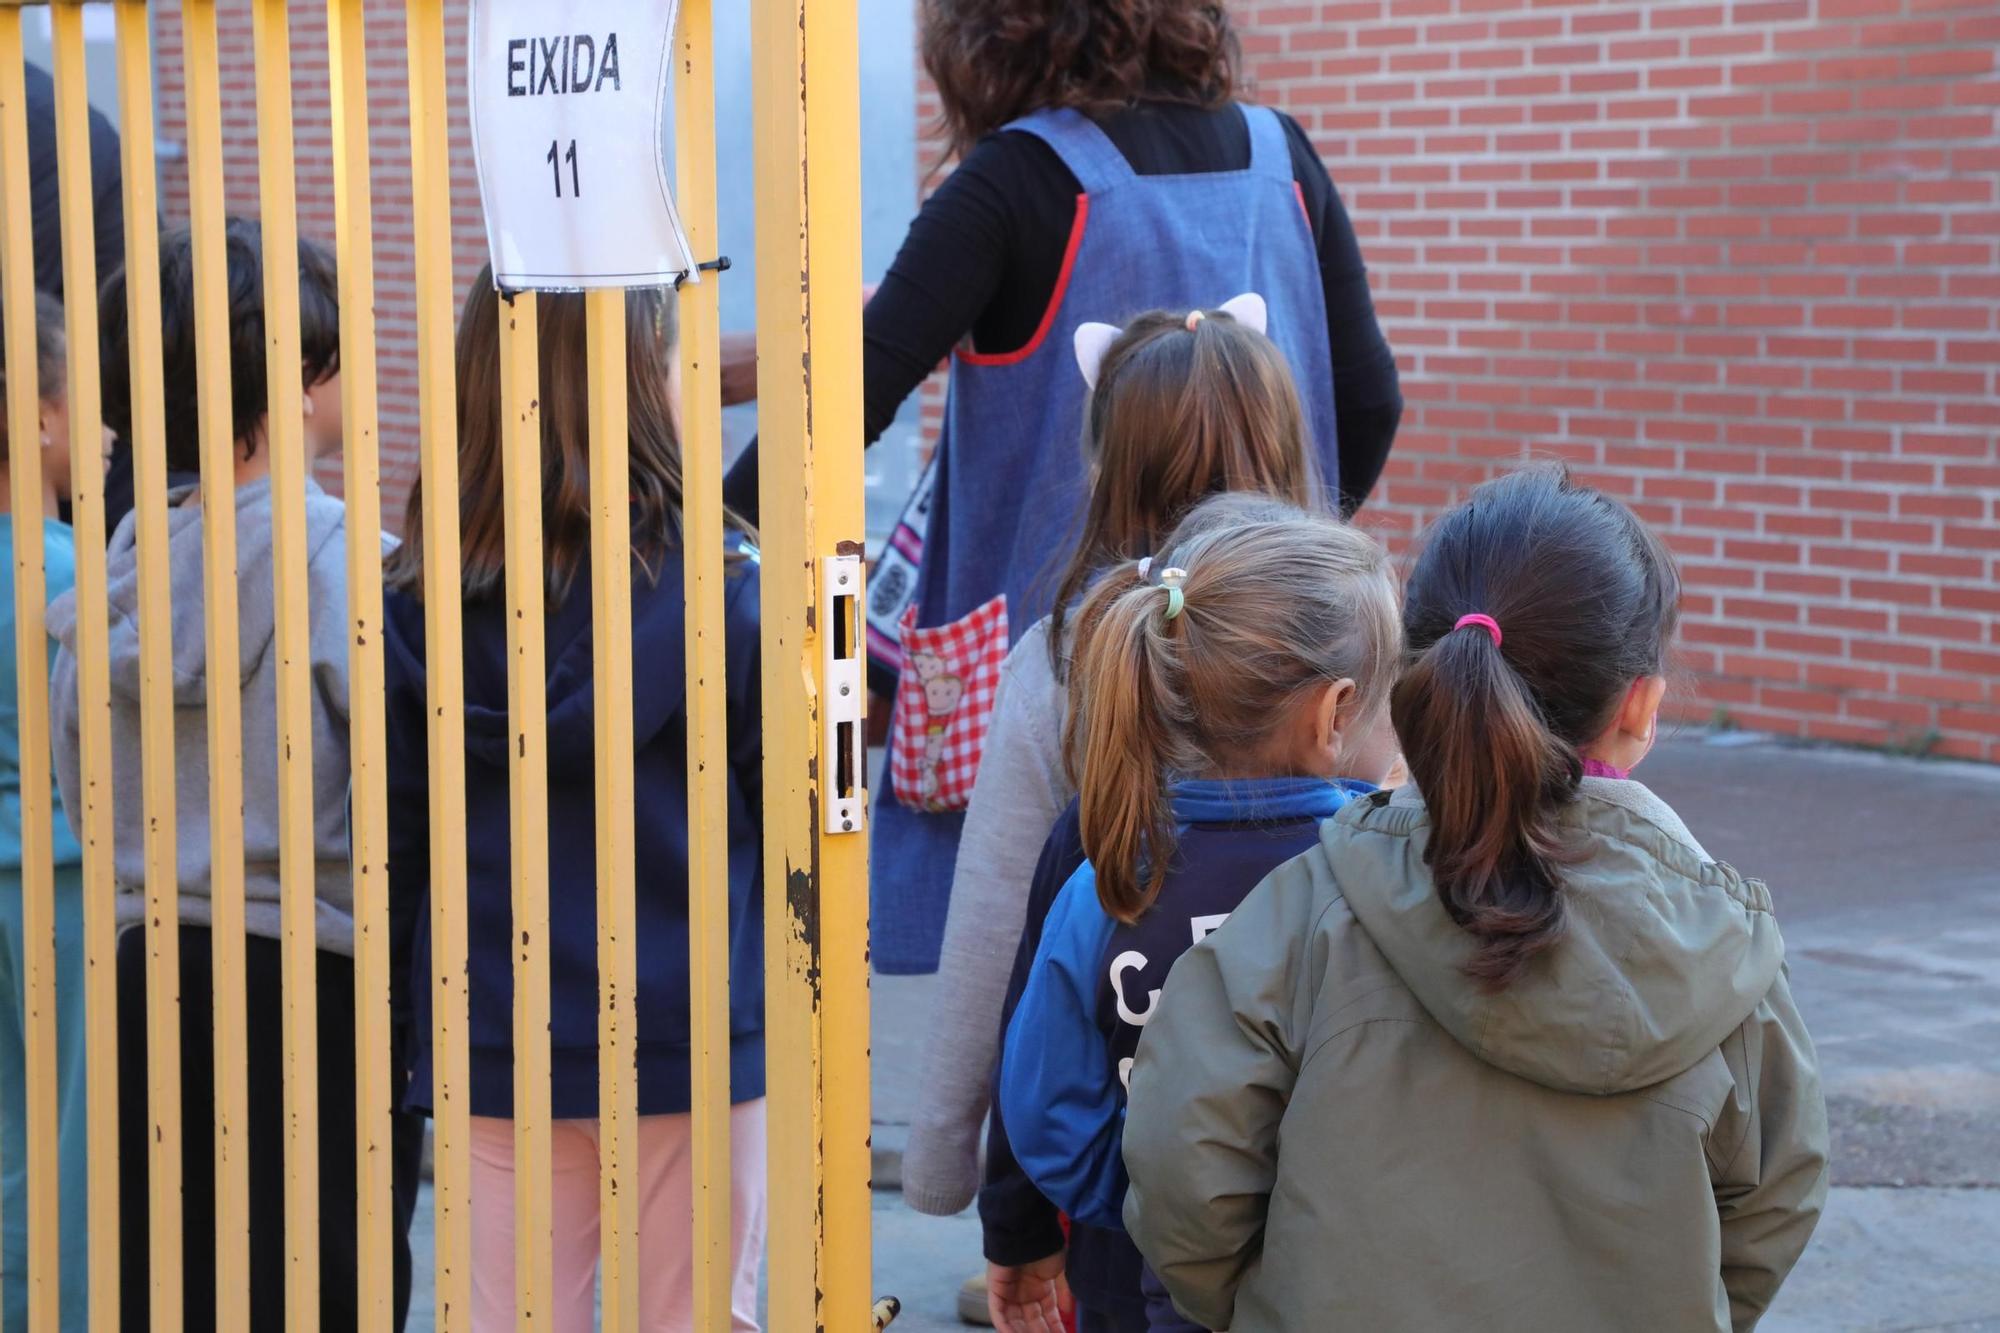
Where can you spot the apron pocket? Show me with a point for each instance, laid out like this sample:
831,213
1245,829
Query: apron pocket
944,701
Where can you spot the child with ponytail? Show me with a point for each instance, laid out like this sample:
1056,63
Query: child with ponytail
1226,697
1506,1049
1181,407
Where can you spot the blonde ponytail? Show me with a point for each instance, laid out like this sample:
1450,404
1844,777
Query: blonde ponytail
1273,600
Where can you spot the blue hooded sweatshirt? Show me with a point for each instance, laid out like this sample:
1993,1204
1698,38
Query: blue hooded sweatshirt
659,726
1083,987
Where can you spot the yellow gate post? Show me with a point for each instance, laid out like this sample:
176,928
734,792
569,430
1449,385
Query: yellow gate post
93,821
368,801
805,58
707,713
37,807
270,23
527,804
617,906
156,699
207,221
444,678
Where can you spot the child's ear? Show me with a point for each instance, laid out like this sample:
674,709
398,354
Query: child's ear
1335,713
1639,714
310,406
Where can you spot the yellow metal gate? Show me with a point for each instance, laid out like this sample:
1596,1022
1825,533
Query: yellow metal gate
808,310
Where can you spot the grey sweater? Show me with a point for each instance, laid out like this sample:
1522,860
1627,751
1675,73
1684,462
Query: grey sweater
256,673
1020,791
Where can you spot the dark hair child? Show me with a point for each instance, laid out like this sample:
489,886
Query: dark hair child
1506,1048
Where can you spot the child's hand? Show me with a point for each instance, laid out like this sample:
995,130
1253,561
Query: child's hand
1033,1298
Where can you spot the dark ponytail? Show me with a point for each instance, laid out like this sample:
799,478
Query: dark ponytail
1491,723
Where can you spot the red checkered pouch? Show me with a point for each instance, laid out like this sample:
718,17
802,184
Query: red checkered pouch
944,700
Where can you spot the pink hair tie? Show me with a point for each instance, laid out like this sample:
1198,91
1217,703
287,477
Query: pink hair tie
1485,622
1194,319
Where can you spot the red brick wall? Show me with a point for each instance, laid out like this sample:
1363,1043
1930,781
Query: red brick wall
1739,264
389,148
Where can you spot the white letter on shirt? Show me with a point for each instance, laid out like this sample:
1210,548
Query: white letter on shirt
1123,963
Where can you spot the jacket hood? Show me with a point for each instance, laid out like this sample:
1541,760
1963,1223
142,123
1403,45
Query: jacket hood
1666,951
256,616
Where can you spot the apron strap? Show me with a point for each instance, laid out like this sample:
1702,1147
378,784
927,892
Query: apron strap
1084,148
1270,146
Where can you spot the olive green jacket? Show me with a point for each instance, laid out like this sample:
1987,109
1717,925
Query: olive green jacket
1331,1127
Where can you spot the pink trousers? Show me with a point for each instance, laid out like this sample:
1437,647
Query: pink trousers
666,1222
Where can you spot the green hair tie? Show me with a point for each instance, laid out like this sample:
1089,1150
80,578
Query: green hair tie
1170,579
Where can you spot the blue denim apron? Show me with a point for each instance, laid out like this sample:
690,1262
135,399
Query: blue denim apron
1008,505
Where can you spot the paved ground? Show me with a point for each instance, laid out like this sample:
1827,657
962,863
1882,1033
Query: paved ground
1886,874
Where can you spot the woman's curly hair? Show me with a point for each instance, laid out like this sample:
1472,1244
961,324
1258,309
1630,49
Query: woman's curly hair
994,60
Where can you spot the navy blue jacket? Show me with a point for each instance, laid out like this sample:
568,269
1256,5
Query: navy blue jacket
659,723
1083,985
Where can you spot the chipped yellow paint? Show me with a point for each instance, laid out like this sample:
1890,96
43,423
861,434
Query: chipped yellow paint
708,755
527,807
444,658
806,112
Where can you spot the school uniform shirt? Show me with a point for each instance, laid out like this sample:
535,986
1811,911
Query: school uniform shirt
1082,1005
1095,980
660,830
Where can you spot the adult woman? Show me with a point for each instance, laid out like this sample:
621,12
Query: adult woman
1103,170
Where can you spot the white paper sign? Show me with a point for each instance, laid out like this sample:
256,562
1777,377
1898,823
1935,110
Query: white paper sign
569,132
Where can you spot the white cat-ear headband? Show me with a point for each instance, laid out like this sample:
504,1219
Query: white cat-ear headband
1094,340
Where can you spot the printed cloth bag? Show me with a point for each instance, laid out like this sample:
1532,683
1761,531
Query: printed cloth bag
944,701
892,582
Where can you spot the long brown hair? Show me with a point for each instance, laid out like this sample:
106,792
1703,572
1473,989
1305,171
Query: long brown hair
1178,415
651,333
995,60
1274,601
1586,598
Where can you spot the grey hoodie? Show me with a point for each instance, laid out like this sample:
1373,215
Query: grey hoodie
256,675
1332,1127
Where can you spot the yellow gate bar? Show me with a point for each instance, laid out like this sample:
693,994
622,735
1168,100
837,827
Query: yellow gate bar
93,820
430,178
31,658
707,710
225,702
806,70
617,922
298,858
368,802
527,805
156,700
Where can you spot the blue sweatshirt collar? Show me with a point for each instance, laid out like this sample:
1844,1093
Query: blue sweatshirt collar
1249,800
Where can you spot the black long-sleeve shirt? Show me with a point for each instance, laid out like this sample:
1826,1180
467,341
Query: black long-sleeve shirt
983,255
